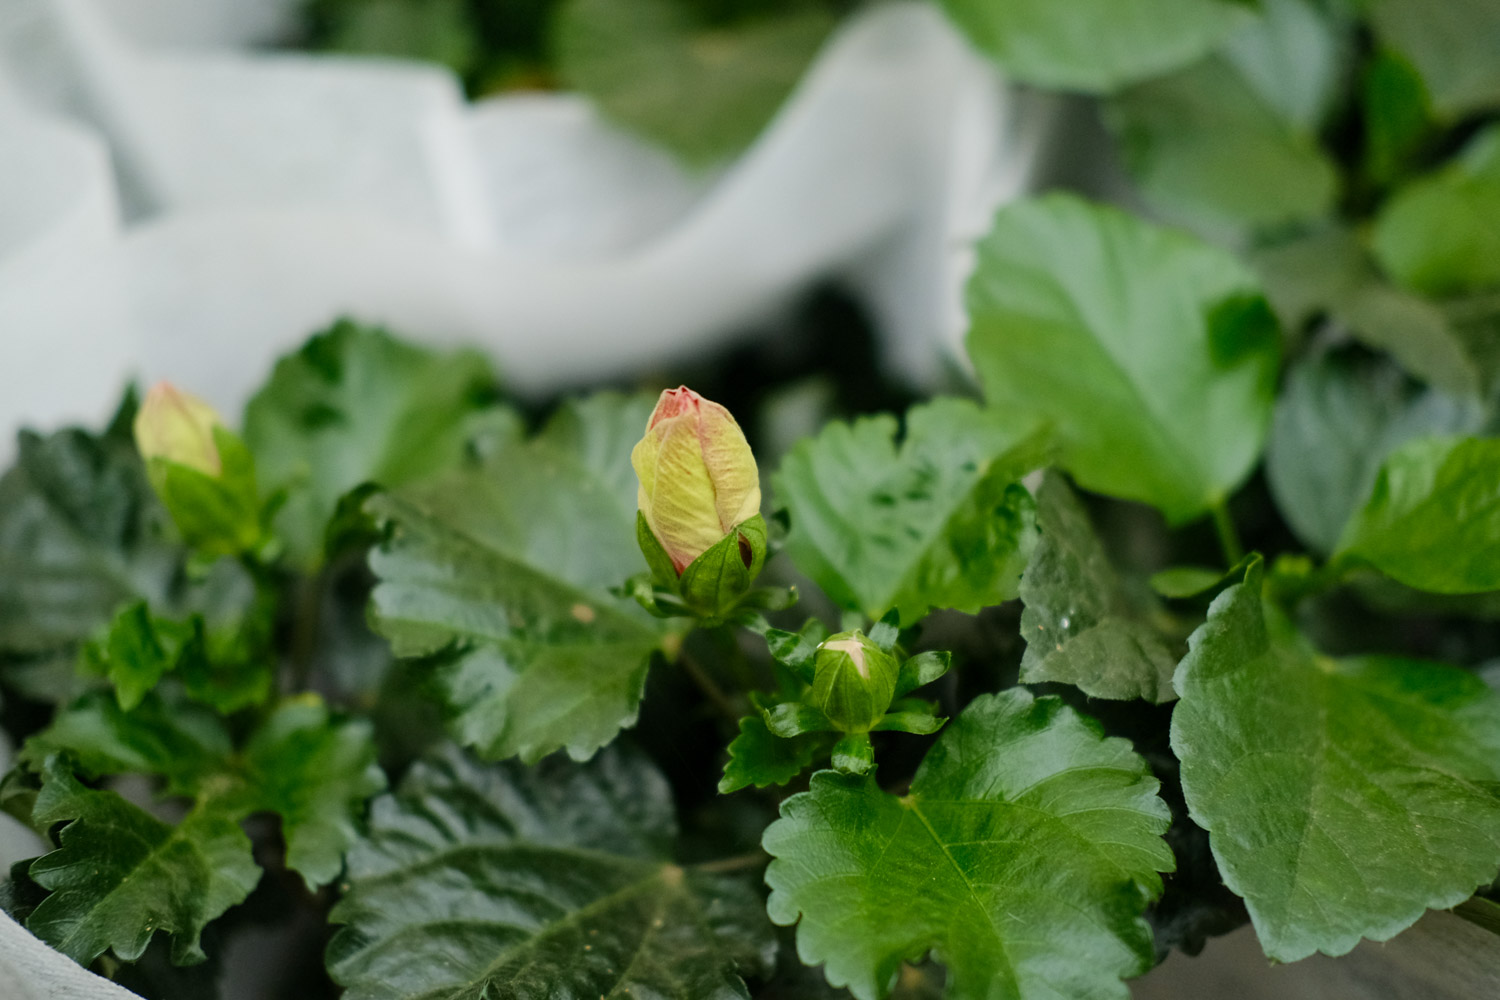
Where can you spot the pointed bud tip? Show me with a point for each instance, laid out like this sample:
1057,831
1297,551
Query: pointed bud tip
179,427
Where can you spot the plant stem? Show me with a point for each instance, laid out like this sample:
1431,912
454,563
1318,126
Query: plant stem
739,862
710,688
1229,539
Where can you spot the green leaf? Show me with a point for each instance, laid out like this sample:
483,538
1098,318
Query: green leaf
759,757
1433,519
432,30
940,520
704,90
1397,117
1335,423
355,405
503,573
1452,44
1149,351
1232,142
120,874
511,883
183,743
1094,45
135,655
1080,623
316,773
81,533
1441,235
1024,857
1342,797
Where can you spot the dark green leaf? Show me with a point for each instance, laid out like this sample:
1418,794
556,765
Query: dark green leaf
1095,45
1103,325
1441,235
513,883
793,719
1335,423
355,405
1433,519
504,572
1232,142
924,668
1451,43
760,758
1397,117
703,90
1080,623
315,772
940,520
135,654
1342,797
1023,856
120,874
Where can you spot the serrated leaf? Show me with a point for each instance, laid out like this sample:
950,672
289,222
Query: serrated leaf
1023,857
940,520
1342,797
504,573
1081,625
1148,351
704,90
1064,46
759,757
1452,44
316,773
511,883
355,405
1433,519
1440,235
1335,423
1231,143
120,874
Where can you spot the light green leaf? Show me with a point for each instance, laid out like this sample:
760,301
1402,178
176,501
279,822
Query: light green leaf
120,874
1440,235
1149,351
1452,43
1081,625
704,90
1232,142
938,520
1342,797
1023,858
504,573
1433,519
316,773
1095,45
511,883
355,405
1335,423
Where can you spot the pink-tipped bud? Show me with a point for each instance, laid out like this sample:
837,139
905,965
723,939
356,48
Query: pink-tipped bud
179,427
698,476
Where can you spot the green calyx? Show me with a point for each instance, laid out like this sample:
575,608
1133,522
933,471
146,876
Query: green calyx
716,583
218,514
854,681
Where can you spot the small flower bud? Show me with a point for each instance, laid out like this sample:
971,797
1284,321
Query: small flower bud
178,427
854,681
698,476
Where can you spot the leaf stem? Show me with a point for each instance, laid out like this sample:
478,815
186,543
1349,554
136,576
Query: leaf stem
1229,538
734,863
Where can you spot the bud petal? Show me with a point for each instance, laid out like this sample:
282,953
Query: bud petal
179,427
698,476
854,681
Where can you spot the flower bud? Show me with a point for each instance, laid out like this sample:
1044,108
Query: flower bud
698,476
854,681
178,427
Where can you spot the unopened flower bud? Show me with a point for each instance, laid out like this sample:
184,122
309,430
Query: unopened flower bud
178,427
698,476
854,681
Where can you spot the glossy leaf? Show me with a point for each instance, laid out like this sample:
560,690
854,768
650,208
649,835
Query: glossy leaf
355,405
1023,858
759,757
1081,625
503,574
1149,352
938,520
120,874
1342,797
704,90
1335,423
1068,46
511,883
1433,519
